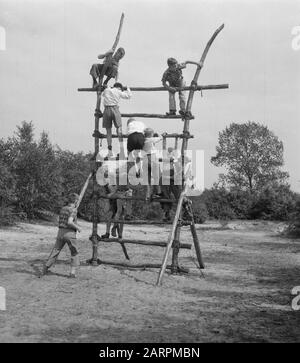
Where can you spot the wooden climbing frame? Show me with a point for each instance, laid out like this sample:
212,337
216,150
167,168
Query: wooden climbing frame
184,205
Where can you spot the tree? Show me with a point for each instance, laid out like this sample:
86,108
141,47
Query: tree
36,171
252,155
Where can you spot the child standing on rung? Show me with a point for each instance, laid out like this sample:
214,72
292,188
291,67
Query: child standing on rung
173,79
111,100
153,162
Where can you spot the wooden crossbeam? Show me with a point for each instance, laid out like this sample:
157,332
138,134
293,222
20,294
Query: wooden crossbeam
168,136
155,89
158,200
140,222
141,265
145,243
154,115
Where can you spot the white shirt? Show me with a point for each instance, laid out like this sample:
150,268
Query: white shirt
135,126
149,145
112,96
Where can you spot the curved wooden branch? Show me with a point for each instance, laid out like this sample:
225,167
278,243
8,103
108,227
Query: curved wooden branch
119,33
200,66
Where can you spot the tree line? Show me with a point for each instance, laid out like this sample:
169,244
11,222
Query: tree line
36,177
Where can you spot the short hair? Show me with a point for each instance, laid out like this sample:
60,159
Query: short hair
148,132
118,85
171,61
73,197
121,50
131,119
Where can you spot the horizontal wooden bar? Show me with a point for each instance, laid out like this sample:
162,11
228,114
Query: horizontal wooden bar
158,200
188,88
142,265
138,222
145,243
168,136
154,115
142,222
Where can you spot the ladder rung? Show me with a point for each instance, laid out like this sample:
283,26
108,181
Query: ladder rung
168,136
188,88
141,265
139,222
158,200
154,115
145,243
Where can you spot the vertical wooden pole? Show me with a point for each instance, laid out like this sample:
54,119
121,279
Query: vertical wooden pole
94,260
176,143
175,253
197,245
186,129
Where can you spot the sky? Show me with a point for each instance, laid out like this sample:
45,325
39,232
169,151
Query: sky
50,46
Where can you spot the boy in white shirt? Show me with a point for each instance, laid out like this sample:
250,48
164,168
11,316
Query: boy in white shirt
111,100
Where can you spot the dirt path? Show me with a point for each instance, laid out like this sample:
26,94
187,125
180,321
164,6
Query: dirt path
244,297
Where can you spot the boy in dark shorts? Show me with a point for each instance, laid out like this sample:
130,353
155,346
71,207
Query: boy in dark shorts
135,142
112,66
67,228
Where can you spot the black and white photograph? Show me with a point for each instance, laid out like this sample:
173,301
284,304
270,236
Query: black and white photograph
149,174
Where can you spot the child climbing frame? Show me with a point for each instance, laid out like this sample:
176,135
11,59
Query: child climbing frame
184,205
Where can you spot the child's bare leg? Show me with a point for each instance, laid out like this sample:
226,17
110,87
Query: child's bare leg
121,141
108,78
109,140
108,224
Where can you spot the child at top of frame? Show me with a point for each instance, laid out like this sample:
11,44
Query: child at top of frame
152,161
172,79
112,66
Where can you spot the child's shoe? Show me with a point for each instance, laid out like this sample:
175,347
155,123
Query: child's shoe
171,113
106,235
114,231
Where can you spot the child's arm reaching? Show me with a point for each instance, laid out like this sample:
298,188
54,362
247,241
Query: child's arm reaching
109,52
196,63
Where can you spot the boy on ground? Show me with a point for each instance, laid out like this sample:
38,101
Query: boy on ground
67,228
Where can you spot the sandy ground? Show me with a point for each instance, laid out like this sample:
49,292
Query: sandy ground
244,296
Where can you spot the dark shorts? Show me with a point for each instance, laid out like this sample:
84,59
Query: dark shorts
111,115
135,141
111,71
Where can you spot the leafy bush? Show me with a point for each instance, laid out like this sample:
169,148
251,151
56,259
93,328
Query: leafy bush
275,202
200,210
